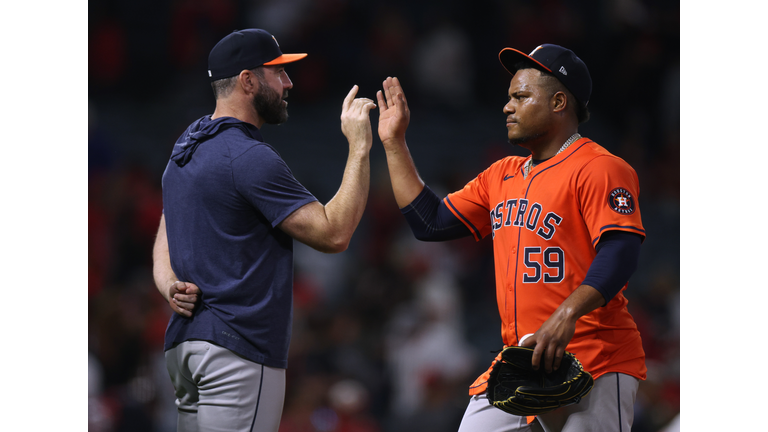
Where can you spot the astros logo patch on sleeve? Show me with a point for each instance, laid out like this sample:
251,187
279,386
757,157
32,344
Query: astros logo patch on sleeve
621,201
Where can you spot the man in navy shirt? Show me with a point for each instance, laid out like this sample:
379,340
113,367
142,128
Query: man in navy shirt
223,257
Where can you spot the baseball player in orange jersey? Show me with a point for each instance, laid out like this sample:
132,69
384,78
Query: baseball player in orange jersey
566,230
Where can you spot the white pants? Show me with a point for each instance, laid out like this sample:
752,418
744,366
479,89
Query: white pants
607,408
219,391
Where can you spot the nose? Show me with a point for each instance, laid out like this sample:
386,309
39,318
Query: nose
287,83
508,108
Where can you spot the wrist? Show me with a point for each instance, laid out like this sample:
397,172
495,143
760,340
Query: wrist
394,143
397,151
357,152
568,313
169,288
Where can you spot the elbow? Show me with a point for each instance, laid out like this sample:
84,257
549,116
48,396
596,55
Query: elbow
340,245
335,245
425,235
422,237
330,243
338,248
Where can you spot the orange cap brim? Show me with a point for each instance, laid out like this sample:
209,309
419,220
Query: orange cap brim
509,56
286,58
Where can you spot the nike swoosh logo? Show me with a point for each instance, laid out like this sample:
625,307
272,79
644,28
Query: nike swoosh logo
507,177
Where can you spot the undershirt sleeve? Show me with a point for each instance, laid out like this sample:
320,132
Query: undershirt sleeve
615,262
430,219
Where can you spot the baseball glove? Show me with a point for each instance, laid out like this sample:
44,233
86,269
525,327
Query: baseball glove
516,388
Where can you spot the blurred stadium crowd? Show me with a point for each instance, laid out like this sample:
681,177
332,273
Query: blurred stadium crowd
388,335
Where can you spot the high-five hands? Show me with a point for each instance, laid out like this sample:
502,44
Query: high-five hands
355,121
394,114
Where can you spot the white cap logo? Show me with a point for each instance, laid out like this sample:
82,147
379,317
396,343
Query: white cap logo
562,70
278,45
534,50
209,73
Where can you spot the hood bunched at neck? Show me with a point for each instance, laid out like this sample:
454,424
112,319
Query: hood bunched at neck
199,132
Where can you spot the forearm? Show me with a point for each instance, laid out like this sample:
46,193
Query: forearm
328,228
182,297
430,219
554,335
406,183
582,301
616,260
161,259
345,209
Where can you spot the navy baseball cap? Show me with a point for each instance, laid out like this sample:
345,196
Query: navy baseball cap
246,49
559,61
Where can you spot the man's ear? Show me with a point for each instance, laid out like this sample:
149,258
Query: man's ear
559,102
248,82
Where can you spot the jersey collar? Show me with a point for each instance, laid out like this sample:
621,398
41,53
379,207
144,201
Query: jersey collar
529,165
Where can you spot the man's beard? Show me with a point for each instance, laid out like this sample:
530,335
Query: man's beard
269,104
524,139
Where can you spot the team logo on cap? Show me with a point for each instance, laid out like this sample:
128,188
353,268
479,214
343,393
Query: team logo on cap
273,37
621,201
534,50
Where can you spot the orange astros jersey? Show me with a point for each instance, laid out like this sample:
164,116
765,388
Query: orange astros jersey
545,226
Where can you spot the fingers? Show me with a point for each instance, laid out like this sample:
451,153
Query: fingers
357,105
558,359
350,97
393,96
362,105
537,352
402,105
547,355
393,90
177,287
527,340
185,287
182,308
184,297
397,89
382,101
192,288
184,304
543,351
367,106
548,359
387,84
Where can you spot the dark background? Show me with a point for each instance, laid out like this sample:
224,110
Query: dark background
388,335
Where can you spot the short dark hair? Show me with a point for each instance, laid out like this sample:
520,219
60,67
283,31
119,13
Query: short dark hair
554,85
223,87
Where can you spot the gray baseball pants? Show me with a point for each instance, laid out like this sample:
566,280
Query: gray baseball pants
607,408
219,391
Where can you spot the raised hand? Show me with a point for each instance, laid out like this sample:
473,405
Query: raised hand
356,122
394,114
